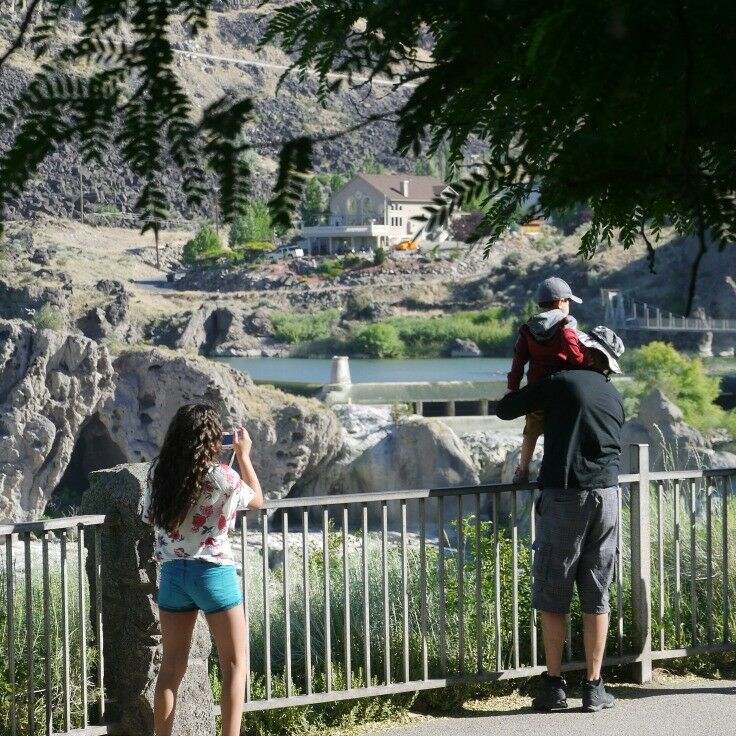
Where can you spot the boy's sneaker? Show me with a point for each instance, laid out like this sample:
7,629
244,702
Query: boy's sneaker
552,694
595,697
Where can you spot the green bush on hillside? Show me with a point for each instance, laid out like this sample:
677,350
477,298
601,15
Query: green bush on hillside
300,328
206,244
379,257
684,381
48,318
379,340
331,269
254,224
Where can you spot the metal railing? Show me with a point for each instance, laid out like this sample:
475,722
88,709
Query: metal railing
622,312
53,639
361,610
371,594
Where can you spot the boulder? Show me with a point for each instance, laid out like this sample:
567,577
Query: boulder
464,349
259,323
673,443
50,384
40,257
132,642
495,455
293,438
380,454
112,320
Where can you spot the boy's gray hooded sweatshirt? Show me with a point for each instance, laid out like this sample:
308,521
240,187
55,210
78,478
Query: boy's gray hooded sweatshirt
544,325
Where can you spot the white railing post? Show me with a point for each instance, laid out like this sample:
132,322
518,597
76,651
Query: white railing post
641,583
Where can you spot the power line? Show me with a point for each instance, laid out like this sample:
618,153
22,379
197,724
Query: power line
379,81
287,68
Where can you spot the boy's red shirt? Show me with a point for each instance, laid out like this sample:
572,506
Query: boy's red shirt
562,350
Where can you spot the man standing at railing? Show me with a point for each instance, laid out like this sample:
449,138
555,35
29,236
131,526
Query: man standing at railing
577,510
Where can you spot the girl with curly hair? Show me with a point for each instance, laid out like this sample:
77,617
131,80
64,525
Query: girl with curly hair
192,501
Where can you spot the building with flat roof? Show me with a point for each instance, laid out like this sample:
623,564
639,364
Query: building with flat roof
374,210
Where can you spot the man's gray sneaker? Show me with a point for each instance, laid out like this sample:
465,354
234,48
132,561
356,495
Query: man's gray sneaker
595,697
552,695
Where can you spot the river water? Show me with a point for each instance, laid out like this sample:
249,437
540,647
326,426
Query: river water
316,371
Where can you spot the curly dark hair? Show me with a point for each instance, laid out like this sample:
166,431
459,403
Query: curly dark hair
192,444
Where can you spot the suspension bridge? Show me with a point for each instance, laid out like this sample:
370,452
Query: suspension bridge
624,313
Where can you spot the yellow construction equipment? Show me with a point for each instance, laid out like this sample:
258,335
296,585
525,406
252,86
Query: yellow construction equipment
407,245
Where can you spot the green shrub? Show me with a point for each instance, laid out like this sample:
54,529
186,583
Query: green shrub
299,328
252,250
254,224
379,257
684,381
331,269
205,245
379,340
49,318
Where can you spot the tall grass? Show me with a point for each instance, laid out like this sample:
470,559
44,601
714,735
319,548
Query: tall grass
425,337
448,559
38,651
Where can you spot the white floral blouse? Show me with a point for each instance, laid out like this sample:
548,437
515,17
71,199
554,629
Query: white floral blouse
203,533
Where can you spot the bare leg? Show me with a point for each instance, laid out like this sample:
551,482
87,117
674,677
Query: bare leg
554,631
595,633
528,444
176,639
228,630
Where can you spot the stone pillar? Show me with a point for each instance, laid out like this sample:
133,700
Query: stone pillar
705,345
132,639
340,375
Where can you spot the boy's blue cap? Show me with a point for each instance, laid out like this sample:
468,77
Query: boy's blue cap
552,289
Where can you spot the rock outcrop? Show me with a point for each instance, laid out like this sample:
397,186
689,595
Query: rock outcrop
66,410
672,442
293,438
112,320
461,348
50,384
219,330
22,302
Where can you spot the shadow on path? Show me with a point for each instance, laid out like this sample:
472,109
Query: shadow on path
623,693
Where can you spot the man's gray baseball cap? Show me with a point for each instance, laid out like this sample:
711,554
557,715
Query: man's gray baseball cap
606,341
552,289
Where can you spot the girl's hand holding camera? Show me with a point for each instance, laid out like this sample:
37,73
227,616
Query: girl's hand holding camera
242,441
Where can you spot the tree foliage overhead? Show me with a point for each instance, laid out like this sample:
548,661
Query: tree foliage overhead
622,105
131,99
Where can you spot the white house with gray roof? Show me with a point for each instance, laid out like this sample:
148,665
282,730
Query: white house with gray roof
374,210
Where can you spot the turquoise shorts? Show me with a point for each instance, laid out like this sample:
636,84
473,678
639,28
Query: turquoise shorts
195,585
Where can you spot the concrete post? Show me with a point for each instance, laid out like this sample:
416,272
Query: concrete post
641,564
132,637
340,375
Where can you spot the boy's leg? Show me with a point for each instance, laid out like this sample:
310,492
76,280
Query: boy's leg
528,444
533,428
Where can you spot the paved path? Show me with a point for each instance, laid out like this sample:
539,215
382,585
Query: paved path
687,708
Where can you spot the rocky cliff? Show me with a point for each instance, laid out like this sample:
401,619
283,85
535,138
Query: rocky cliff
67,409
50,384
